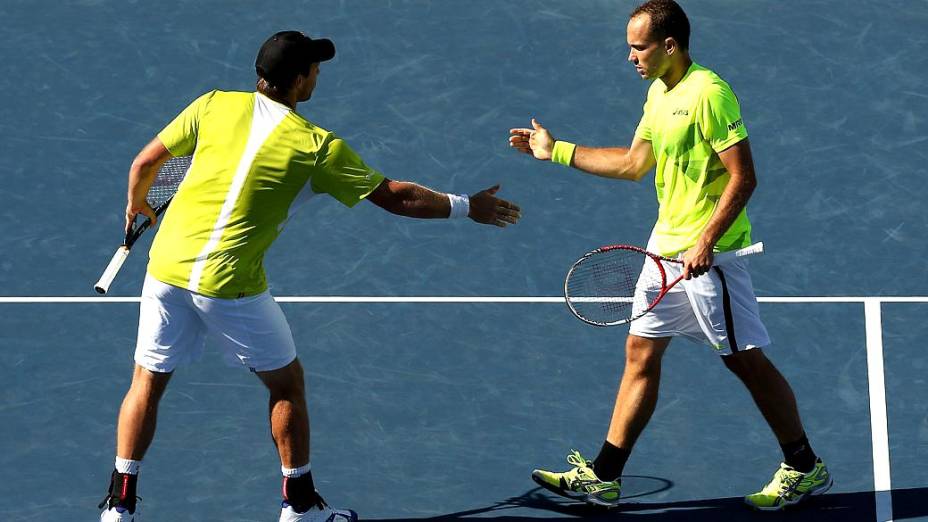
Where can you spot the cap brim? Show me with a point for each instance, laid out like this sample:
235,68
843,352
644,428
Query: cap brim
322,50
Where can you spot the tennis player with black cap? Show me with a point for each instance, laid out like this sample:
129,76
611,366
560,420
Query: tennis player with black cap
255,160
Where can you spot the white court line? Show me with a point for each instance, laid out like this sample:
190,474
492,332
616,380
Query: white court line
882,484
455,299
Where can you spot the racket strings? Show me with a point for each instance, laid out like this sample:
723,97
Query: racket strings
602,287
168,180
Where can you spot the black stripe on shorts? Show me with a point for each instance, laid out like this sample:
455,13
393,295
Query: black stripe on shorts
726,307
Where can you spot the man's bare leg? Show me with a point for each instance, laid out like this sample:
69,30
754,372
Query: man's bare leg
634,403
135,430
289,417
638,391
290,430
139,413
770,391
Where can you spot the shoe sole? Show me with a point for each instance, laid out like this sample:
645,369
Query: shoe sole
787,504
580,497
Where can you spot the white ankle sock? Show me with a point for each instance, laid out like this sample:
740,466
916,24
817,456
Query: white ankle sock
295,472
128,466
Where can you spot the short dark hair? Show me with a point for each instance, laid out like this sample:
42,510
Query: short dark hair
667,20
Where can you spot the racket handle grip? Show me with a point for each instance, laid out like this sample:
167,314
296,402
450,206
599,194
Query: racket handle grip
111,270
756,248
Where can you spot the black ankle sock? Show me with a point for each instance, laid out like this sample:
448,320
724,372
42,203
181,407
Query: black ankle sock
122,491
300,492
610,462
799,455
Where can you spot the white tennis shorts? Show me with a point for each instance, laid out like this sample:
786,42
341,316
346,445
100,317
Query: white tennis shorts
174,324
718,308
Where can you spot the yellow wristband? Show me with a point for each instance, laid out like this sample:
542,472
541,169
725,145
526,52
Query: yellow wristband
563,152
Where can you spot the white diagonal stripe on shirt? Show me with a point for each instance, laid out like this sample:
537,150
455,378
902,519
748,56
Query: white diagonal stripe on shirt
267,116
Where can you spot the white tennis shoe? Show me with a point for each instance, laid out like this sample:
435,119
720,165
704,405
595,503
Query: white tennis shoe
317,514
119,514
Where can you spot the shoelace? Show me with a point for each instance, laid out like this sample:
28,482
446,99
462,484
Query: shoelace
320,502
577,460
784,481
579,479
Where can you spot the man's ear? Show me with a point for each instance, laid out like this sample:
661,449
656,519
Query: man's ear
670,45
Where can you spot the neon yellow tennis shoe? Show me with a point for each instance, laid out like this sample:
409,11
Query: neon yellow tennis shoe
580,483
790,486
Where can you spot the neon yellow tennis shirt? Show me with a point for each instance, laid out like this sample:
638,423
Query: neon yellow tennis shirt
254,162
687,127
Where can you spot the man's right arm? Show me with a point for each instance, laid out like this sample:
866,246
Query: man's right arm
616,162
142,174
610,162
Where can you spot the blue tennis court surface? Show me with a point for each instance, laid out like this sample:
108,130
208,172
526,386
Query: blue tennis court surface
439,411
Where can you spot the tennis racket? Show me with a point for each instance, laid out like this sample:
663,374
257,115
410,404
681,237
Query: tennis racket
159,197
600,287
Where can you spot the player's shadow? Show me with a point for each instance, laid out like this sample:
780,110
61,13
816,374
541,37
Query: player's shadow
843,507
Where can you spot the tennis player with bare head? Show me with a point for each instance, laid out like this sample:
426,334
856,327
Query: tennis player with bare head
693,134
255,160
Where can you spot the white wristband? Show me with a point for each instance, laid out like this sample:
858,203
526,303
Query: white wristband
460,206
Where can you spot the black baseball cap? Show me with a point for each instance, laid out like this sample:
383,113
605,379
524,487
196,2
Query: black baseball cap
289,53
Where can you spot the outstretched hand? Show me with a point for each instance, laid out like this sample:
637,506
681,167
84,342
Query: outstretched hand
488,209
536,141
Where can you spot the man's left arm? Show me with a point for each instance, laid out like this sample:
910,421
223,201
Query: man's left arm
740,166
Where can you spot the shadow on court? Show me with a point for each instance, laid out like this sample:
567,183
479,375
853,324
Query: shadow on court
910,503
907,504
